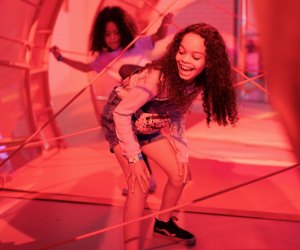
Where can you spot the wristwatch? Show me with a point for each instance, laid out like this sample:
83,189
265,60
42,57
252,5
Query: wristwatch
136,158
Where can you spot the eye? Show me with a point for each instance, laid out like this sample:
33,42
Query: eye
198,56
181,51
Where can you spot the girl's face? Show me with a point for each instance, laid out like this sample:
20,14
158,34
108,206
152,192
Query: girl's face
190,56
112,36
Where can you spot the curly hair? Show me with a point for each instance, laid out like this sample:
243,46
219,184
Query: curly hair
215,82
121,18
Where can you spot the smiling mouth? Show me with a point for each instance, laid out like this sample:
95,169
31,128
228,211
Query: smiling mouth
185,68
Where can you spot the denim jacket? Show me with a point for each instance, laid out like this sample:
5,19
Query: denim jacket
150,112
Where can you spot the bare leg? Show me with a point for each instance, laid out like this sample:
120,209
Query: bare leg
163,153
134,207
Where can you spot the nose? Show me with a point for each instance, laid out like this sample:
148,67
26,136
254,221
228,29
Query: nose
113,36
185,58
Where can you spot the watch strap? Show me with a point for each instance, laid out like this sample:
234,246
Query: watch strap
135,158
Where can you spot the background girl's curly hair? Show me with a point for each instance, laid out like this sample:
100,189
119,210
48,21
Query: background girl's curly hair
121,18
215,83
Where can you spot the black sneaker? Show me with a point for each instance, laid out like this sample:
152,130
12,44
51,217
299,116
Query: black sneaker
171,231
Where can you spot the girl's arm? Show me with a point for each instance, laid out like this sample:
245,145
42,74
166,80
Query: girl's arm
84,67
143,91
162,31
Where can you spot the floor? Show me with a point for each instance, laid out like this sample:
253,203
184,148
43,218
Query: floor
244,193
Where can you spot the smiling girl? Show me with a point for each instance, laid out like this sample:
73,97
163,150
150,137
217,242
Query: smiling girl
196,62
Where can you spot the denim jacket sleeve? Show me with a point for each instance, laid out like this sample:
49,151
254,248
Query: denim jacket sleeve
142,90
177,133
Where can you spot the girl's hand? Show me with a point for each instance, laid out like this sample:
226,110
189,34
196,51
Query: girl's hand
184,170
167,19
139,173
56,52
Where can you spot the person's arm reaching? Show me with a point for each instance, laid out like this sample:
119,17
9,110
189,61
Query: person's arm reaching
84,67
162,31
132,101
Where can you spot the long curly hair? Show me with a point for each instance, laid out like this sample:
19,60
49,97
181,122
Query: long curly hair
121,18
215,82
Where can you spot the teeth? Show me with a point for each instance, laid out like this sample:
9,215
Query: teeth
185,68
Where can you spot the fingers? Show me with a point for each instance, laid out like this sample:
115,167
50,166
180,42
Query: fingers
132,182
140,174
187,176
144,184
180,168
168,18
56,52
184,172
130,179
148,174
144,180
190,175
53,49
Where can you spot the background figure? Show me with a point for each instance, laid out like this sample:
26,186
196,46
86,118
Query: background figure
281,50
112,31
196,62
253,67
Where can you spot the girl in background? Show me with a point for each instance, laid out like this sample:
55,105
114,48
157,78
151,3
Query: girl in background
112,31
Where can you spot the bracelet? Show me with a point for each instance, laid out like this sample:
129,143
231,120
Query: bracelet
60,58
136,158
